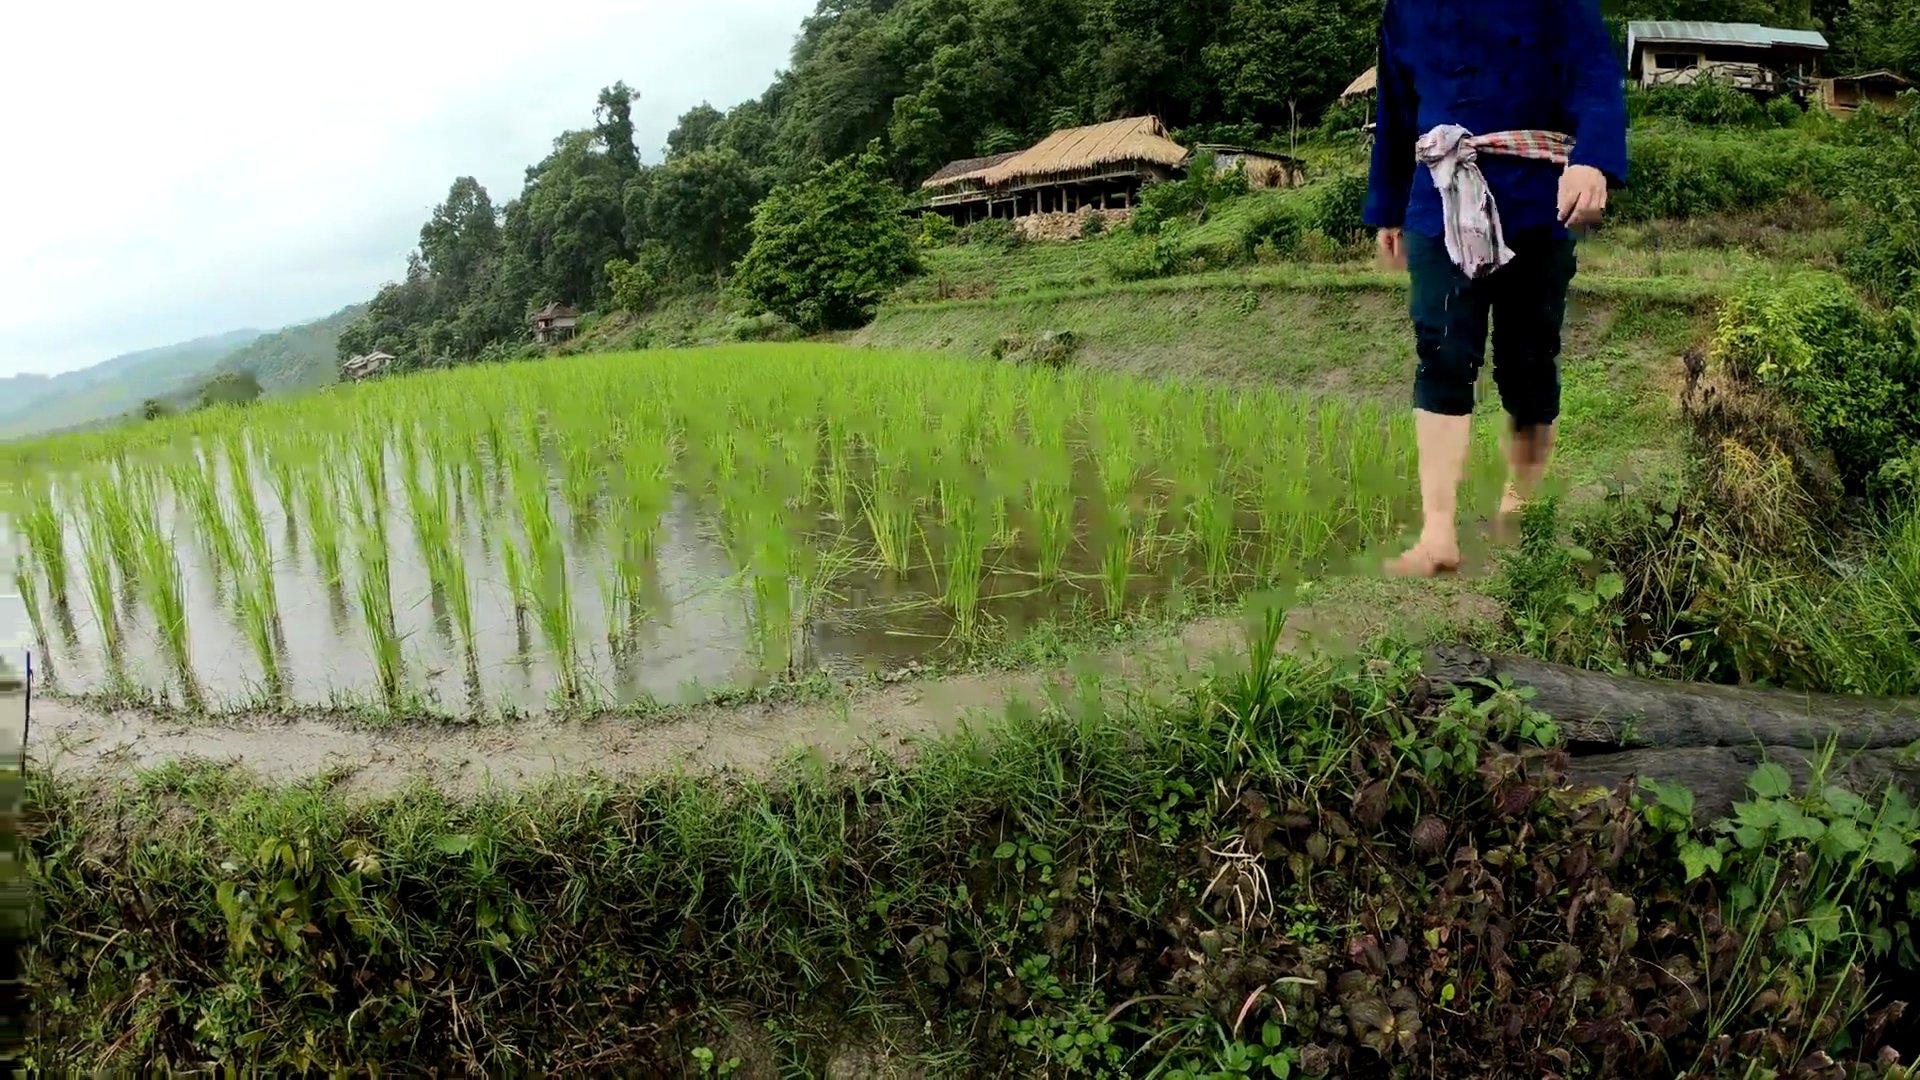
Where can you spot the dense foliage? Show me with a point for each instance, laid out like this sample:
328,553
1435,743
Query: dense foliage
826,250
930,81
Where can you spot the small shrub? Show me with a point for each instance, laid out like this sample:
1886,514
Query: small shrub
1339,208
1682,172
765,326
997,234
1094,225
1785,112
634,286
1707,101
1139,258
1277,227
1845,370
937,230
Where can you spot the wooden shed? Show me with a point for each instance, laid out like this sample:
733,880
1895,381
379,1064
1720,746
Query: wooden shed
1845,94
1265,169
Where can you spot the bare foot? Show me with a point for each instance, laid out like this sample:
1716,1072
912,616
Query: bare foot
1425,561
1506,523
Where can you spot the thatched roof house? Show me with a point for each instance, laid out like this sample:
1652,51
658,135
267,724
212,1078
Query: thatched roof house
555,322
1101,165
1365,83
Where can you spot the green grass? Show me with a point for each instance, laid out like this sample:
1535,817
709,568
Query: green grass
996,903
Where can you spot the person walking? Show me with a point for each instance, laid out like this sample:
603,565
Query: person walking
1501,124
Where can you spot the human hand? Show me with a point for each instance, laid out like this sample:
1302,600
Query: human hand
1583,196
1393,250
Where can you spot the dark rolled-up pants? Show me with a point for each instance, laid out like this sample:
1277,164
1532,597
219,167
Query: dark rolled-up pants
1526,302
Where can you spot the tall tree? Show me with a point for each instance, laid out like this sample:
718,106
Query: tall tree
461,237
696,130
613,123
701,206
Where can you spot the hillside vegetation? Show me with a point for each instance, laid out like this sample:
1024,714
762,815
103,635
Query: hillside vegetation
909,86
32,403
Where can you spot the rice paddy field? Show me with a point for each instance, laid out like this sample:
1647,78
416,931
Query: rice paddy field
603,531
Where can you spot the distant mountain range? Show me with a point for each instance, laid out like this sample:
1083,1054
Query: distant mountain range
291,360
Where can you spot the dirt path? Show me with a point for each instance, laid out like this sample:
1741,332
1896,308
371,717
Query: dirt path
78,742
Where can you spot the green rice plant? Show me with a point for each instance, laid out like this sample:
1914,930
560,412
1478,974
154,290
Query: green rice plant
374,592
519,588
323,522
1116,566
968,533
166,598
889,516
25,585
96,561
1212,523
40,523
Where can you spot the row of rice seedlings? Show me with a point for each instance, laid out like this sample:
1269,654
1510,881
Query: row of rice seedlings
319,501
27,587
96,562
374,592
256,597
40,523
544,570
166,597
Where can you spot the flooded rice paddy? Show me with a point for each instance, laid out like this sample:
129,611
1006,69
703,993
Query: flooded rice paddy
653,527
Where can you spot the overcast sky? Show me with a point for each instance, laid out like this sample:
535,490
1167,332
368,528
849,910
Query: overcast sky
182,169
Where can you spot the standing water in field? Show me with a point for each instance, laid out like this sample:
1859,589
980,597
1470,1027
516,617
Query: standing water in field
612,529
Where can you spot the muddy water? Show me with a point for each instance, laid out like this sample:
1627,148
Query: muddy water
701,633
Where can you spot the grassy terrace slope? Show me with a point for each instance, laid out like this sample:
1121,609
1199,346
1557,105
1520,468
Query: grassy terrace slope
1343,330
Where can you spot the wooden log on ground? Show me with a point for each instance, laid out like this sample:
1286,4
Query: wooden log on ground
1704,737
1627,712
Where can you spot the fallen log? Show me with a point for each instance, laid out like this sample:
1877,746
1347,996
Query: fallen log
1626,712
1706,738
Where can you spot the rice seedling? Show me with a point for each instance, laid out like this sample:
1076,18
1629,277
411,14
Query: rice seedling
41,524
166,597
96,561
29,591
374,591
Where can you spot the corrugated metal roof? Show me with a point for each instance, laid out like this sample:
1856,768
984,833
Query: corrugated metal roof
1719,33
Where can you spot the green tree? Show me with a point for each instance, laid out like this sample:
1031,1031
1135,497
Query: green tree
697,129
1281,61
154,409
701,206
461,237
230,388
613,123
827,250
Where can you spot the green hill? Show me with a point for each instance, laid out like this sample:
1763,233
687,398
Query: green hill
30,404
297,358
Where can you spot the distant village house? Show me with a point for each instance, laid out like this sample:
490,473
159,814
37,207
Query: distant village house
365,366
1081,171
1102,166
555,322
1762,60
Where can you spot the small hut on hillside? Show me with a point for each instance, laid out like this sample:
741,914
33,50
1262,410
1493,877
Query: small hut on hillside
1265,169
365,366
1101,166
1845,94
555,322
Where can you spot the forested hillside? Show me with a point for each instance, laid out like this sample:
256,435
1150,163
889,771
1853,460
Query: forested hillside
37,403
295,358
925,81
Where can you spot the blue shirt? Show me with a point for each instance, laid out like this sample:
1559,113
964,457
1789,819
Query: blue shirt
1493,65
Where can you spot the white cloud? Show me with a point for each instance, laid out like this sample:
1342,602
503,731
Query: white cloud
186,169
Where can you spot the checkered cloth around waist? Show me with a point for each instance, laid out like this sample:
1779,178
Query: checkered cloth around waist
1450,152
